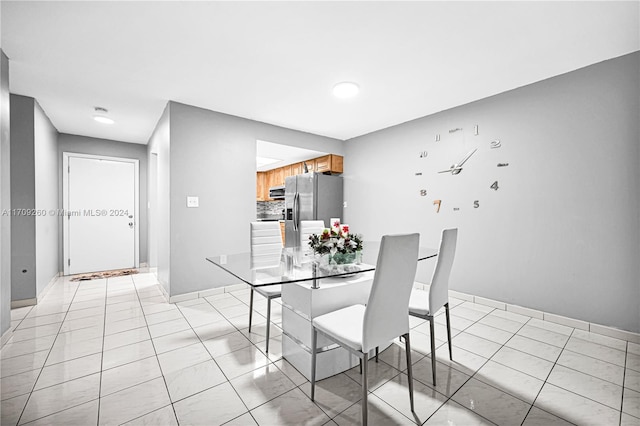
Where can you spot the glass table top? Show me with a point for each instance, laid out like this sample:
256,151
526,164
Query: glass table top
290,265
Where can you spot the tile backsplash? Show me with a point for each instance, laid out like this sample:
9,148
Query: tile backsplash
269,207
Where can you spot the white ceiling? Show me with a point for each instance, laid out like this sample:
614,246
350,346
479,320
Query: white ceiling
276,62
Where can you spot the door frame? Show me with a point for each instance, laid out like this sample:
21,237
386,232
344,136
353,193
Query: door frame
65,203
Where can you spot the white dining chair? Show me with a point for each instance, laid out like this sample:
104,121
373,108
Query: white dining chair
360,329
266,242
424,304
308,227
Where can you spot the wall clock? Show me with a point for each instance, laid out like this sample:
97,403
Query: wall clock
457,168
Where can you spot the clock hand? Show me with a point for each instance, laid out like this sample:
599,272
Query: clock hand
466,158
457,168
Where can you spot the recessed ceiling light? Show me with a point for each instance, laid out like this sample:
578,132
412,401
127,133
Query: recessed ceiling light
100,116
345,89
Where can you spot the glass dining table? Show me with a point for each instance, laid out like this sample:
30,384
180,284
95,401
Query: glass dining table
309,288
296,265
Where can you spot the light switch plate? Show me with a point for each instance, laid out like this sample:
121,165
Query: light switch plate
193,202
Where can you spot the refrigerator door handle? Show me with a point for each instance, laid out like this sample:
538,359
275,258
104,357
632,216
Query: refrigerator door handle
295,211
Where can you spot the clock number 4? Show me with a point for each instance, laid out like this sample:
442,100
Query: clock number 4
494,186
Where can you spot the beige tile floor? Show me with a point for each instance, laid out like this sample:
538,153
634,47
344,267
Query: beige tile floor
114,352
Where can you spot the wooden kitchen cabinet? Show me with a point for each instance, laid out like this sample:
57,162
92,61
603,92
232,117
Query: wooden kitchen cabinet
296,169
261,190
287,171
329,163
278,177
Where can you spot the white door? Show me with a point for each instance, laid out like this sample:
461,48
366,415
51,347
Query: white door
100,202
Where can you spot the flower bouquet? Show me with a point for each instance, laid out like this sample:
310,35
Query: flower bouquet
338,250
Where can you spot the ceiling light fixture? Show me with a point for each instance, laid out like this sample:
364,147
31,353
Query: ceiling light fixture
345,89
100,115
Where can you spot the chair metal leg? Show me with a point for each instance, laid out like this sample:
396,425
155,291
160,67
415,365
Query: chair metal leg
433,349
446,311
314,342
377,350
268,322
407,348
250,308
365,391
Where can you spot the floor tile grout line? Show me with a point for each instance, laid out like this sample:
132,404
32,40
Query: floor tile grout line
270,362
155,351
251,343
104,331
44,364
589,374
624,376
546,380
214,360
562,349
475,373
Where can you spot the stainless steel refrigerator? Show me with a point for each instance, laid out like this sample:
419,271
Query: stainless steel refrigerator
310,196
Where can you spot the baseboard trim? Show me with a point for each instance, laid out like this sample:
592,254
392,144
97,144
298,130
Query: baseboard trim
46,289
15,304
206,293
604,330
6,337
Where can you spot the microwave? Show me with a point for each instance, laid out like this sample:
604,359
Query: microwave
277,192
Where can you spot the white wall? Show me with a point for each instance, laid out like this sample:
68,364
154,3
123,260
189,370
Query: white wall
159,146
46,198
5,197
562,232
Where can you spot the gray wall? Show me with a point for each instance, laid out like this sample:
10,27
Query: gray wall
23,189
34,187
213,157
94,146
561,234
5,197
46,199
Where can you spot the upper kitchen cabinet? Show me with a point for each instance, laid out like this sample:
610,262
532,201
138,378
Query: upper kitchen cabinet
296,169
278,177
329,163
286,171
260,186
262,191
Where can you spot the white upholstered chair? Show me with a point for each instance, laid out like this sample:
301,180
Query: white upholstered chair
266,245
359,328
308,227
423,304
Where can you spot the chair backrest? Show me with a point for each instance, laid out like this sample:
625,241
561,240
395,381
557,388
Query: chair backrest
266,242
308,227
387,314
439,291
